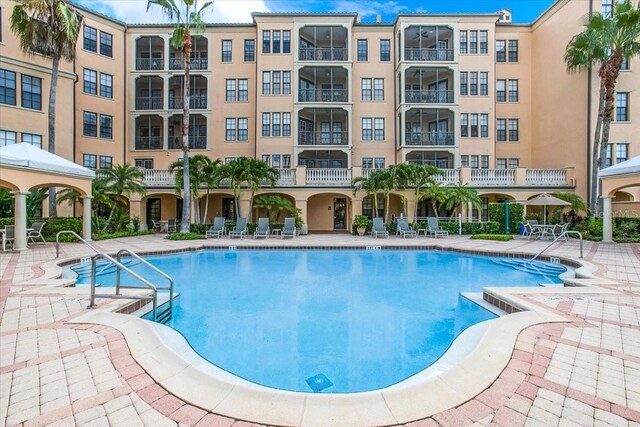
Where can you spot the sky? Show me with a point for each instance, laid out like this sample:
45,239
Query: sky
134,11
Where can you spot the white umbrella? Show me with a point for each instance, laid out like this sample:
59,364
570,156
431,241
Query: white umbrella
545,200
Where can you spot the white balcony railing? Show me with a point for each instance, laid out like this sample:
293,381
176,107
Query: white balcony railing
328,176
158,177
493,177
286,177
547,177
448,176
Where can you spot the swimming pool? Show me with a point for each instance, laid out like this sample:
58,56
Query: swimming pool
337,321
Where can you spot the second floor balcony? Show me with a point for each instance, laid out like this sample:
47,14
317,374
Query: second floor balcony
197,132
198,89
323,126
323,84
425,127
323,43
428,85
428,43
149,93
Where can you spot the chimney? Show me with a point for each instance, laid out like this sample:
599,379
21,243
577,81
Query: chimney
378,19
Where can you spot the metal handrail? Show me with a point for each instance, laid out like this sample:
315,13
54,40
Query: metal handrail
564,233
77,237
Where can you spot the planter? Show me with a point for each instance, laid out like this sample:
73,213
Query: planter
361,231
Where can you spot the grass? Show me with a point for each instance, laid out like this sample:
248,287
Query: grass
185,236
498,237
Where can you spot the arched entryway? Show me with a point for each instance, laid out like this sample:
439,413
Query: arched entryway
329,212
275,214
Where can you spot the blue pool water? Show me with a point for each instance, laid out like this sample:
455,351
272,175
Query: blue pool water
332,321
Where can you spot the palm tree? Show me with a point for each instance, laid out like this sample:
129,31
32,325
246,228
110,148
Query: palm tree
438,195
391,179
122,181
605,42
100,195
49,27
370,185
202,171
187,16
274,205
419,177
212,172
458,195
251,173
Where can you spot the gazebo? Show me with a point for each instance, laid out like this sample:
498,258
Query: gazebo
24,167
622,175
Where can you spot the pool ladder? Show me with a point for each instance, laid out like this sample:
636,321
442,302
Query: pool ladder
157,315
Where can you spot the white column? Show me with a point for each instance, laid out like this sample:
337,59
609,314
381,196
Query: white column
607,229
20,238
86,218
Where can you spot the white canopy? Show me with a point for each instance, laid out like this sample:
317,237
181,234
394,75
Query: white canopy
27,156
629,166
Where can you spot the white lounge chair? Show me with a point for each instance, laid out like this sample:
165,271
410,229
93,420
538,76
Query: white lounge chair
435,229
36,233
404,229
378,229
8,236
263,229
289,229
217,229
172,226
240,229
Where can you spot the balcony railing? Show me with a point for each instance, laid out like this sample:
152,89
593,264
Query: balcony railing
427,54
148,142
195,102
448,176
149,103
328,176
323,54
196,63
158,177
195,141
492,177
547,177
429,138
323,95
428,96
322,138
149,63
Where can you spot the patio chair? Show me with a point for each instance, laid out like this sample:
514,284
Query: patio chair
404,229
36,233
435,229
240,228
378,229
532,230
8,236
556,231
533,222
156,225
263,229
171,226
217,229
289,229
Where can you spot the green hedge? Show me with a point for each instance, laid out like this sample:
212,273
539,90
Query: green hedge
625,230
119,234
55,225
184,236
516,214
498,237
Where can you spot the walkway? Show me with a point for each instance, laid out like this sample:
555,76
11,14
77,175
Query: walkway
584,373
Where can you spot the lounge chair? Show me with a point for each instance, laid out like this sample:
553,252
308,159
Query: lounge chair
240,229
378,228
289,229
404,229
217,229
172,226
560,228
263,229
36,233
156,225
531,230
435,229
8,236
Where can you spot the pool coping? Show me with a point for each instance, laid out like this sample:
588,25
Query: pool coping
168,358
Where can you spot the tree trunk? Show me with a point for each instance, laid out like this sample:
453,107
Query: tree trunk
206,206
593,199
196,210
250,214
415,208
386,206
375,204
53,206
186,209
434,205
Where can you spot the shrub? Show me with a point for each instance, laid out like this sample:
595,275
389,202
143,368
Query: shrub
498,237
488,227
119,234
184,236
497,215
361,221
55,225
199,228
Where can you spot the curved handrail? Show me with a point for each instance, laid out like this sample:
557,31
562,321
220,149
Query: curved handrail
77,237
564,233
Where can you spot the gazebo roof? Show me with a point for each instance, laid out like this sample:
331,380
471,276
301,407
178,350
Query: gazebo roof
25,155
629,166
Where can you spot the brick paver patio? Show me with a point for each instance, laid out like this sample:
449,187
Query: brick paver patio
582,373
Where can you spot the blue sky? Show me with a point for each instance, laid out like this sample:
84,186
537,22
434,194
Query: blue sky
134,11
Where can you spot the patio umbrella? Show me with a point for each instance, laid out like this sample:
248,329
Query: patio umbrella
546,199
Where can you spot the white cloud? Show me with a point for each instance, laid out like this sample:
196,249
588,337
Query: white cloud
135,11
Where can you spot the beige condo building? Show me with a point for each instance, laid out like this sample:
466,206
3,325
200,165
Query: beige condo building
326,98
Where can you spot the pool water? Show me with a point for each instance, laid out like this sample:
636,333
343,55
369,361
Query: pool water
334,321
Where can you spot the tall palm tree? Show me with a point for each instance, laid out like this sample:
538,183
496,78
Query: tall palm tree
419,177
49,27
99,192
212,172
458,195
605,43
248,172
370,185
187,17
391,179
122,181
438,195
201,172
274,204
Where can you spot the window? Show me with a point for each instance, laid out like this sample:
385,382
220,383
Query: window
473,84
266,82
367,162
366,90
266,158
106,126
286,82
230,90
7,138
90,83
484,83
607,156
514,163
89,124
484,125
266,42
243,90
378,89
363,50
367,131
501,90
484,45
501,163
473,42
106,85
275,161
243,129
513,91
226,51
464,83
106,162
249,50
607,8
464,161
621,153
513,130
230,129
464,125
286,161
31,92
501,130
276,83
90,161
625,64
378,129
266,124
474,162
385,50
90,39
379,163
513,50
286,124
275,124
501,48
30,138
144,163
276,41
464,47
286,41
7,87
473,125
622,106
484,162
106,44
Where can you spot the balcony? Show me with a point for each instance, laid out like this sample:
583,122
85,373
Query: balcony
197,132
150,54
323,95
323,138
547,177
149,92
323,84
430,85
199,56
429,138
427,54
429,127
428,43
148,132
195,102
198,89
323,43
493,177
428,96
323,127
148,143
167,178
196,142
328,176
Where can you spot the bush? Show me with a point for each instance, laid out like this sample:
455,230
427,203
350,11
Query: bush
5,221
184,236
55,225
119,234
498,237
199,228
516,213
361,221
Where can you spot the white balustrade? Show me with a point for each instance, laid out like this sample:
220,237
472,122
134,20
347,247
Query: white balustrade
286,177
326,176
493,177
448,176
547,177
158,177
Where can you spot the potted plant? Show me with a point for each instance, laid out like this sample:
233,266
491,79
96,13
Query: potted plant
360,223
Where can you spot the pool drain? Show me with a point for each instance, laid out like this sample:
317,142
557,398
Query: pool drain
319,382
